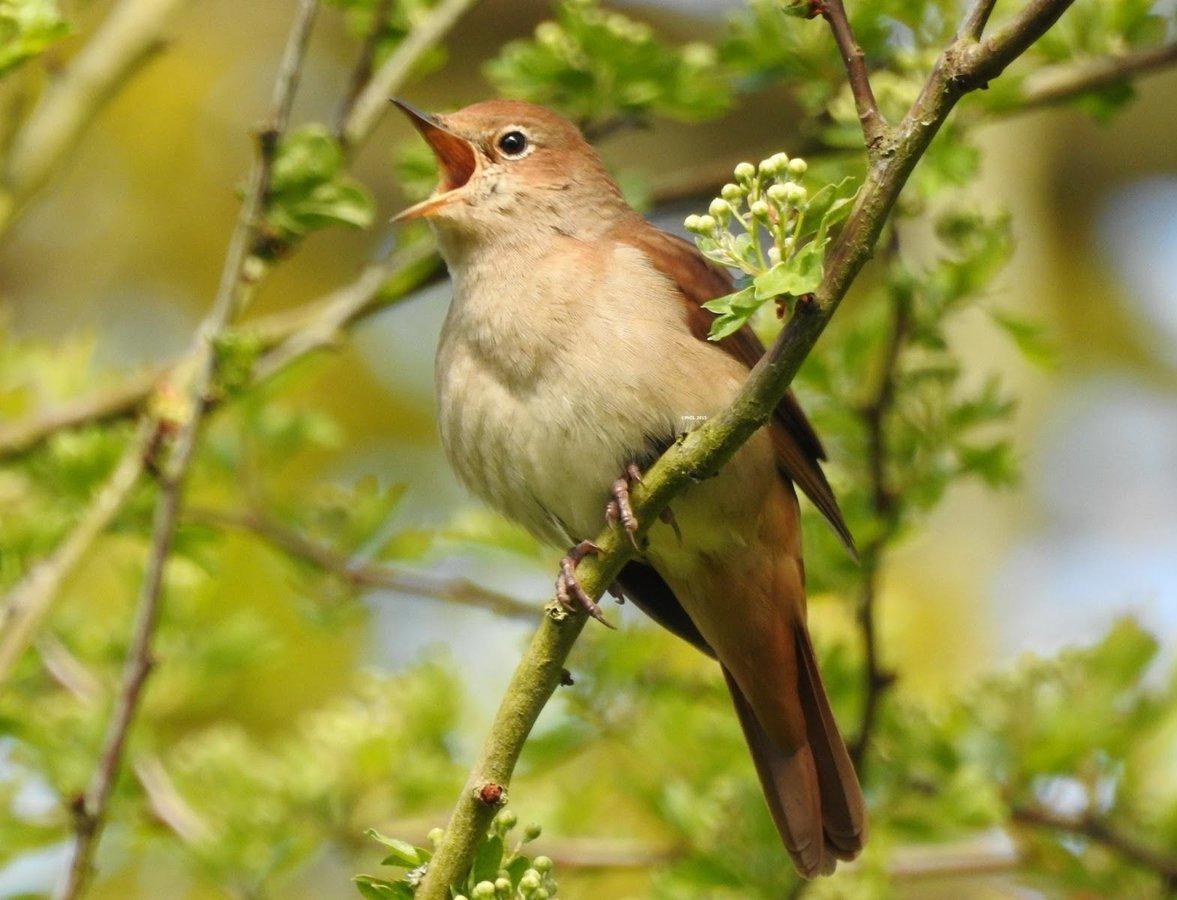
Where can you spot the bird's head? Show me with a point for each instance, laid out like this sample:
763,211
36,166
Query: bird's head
512,169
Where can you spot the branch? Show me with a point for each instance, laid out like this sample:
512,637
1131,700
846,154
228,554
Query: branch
702,452
983,61
360,573
1066,81
90,812
117,402
877,679
28,603
362,73
975,20
391,76
1105,834
125,40
875,129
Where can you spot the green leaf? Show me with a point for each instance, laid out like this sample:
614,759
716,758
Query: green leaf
800,274
488,860
1029,337
380,889
726,325
309,189
403,853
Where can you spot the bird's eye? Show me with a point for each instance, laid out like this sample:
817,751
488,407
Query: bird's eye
513,143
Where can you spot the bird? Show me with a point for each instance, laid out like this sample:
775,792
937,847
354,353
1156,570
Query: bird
573,353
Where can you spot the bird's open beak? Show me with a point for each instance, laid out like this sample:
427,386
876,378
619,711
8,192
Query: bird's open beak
455,158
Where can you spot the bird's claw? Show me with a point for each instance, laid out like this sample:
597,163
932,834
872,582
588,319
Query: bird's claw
619,508
569,593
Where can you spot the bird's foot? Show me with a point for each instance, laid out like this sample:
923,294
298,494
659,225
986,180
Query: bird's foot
569,593
619,509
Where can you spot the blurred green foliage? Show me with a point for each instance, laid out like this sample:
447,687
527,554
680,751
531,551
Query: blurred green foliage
266,746
28,28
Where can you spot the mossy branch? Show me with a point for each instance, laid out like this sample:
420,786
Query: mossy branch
965,65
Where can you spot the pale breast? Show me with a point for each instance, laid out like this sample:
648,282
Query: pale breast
551,379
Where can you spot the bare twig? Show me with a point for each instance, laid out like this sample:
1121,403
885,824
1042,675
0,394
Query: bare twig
90,813
361,74
875,129
168,803
702,452
975,20
1066,81
391,76
119,401
877,679
128,36
27,604
978,63
1104,833
360,573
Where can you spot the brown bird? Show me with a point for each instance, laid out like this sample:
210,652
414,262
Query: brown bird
573,354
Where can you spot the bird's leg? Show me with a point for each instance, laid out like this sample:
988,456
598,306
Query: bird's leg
619,509
569,593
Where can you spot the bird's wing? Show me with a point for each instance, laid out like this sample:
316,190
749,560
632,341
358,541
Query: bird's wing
798,449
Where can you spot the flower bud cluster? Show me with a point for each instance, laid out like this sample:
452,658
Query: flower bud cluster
766,197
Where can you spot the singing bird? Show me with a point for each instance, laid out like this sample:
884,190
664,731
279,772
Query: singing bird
573,354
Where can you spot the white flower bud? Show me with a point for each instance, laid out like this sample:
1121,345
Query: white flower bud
777,194
691,223
788,243
542,864
759,209
435,836
503,885
775,164
732,193
774,255
707,224
529,882
745,171
798,166
484,890
540,894
796,193
720,209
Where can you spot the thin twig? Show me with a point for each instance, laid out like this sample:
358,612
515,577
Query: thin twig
978,63
128,36
168,803
90,812
975,20
1066,81
875,130
877,679
116,402
361,573
361,74
1105,834
391,76
705,450
27,604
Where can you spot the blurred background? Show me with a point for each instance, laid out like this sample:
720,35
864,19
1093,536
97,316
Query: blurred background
113,264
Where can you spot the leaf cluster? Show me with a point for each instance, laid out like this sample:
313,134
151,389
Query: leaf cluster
500,871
